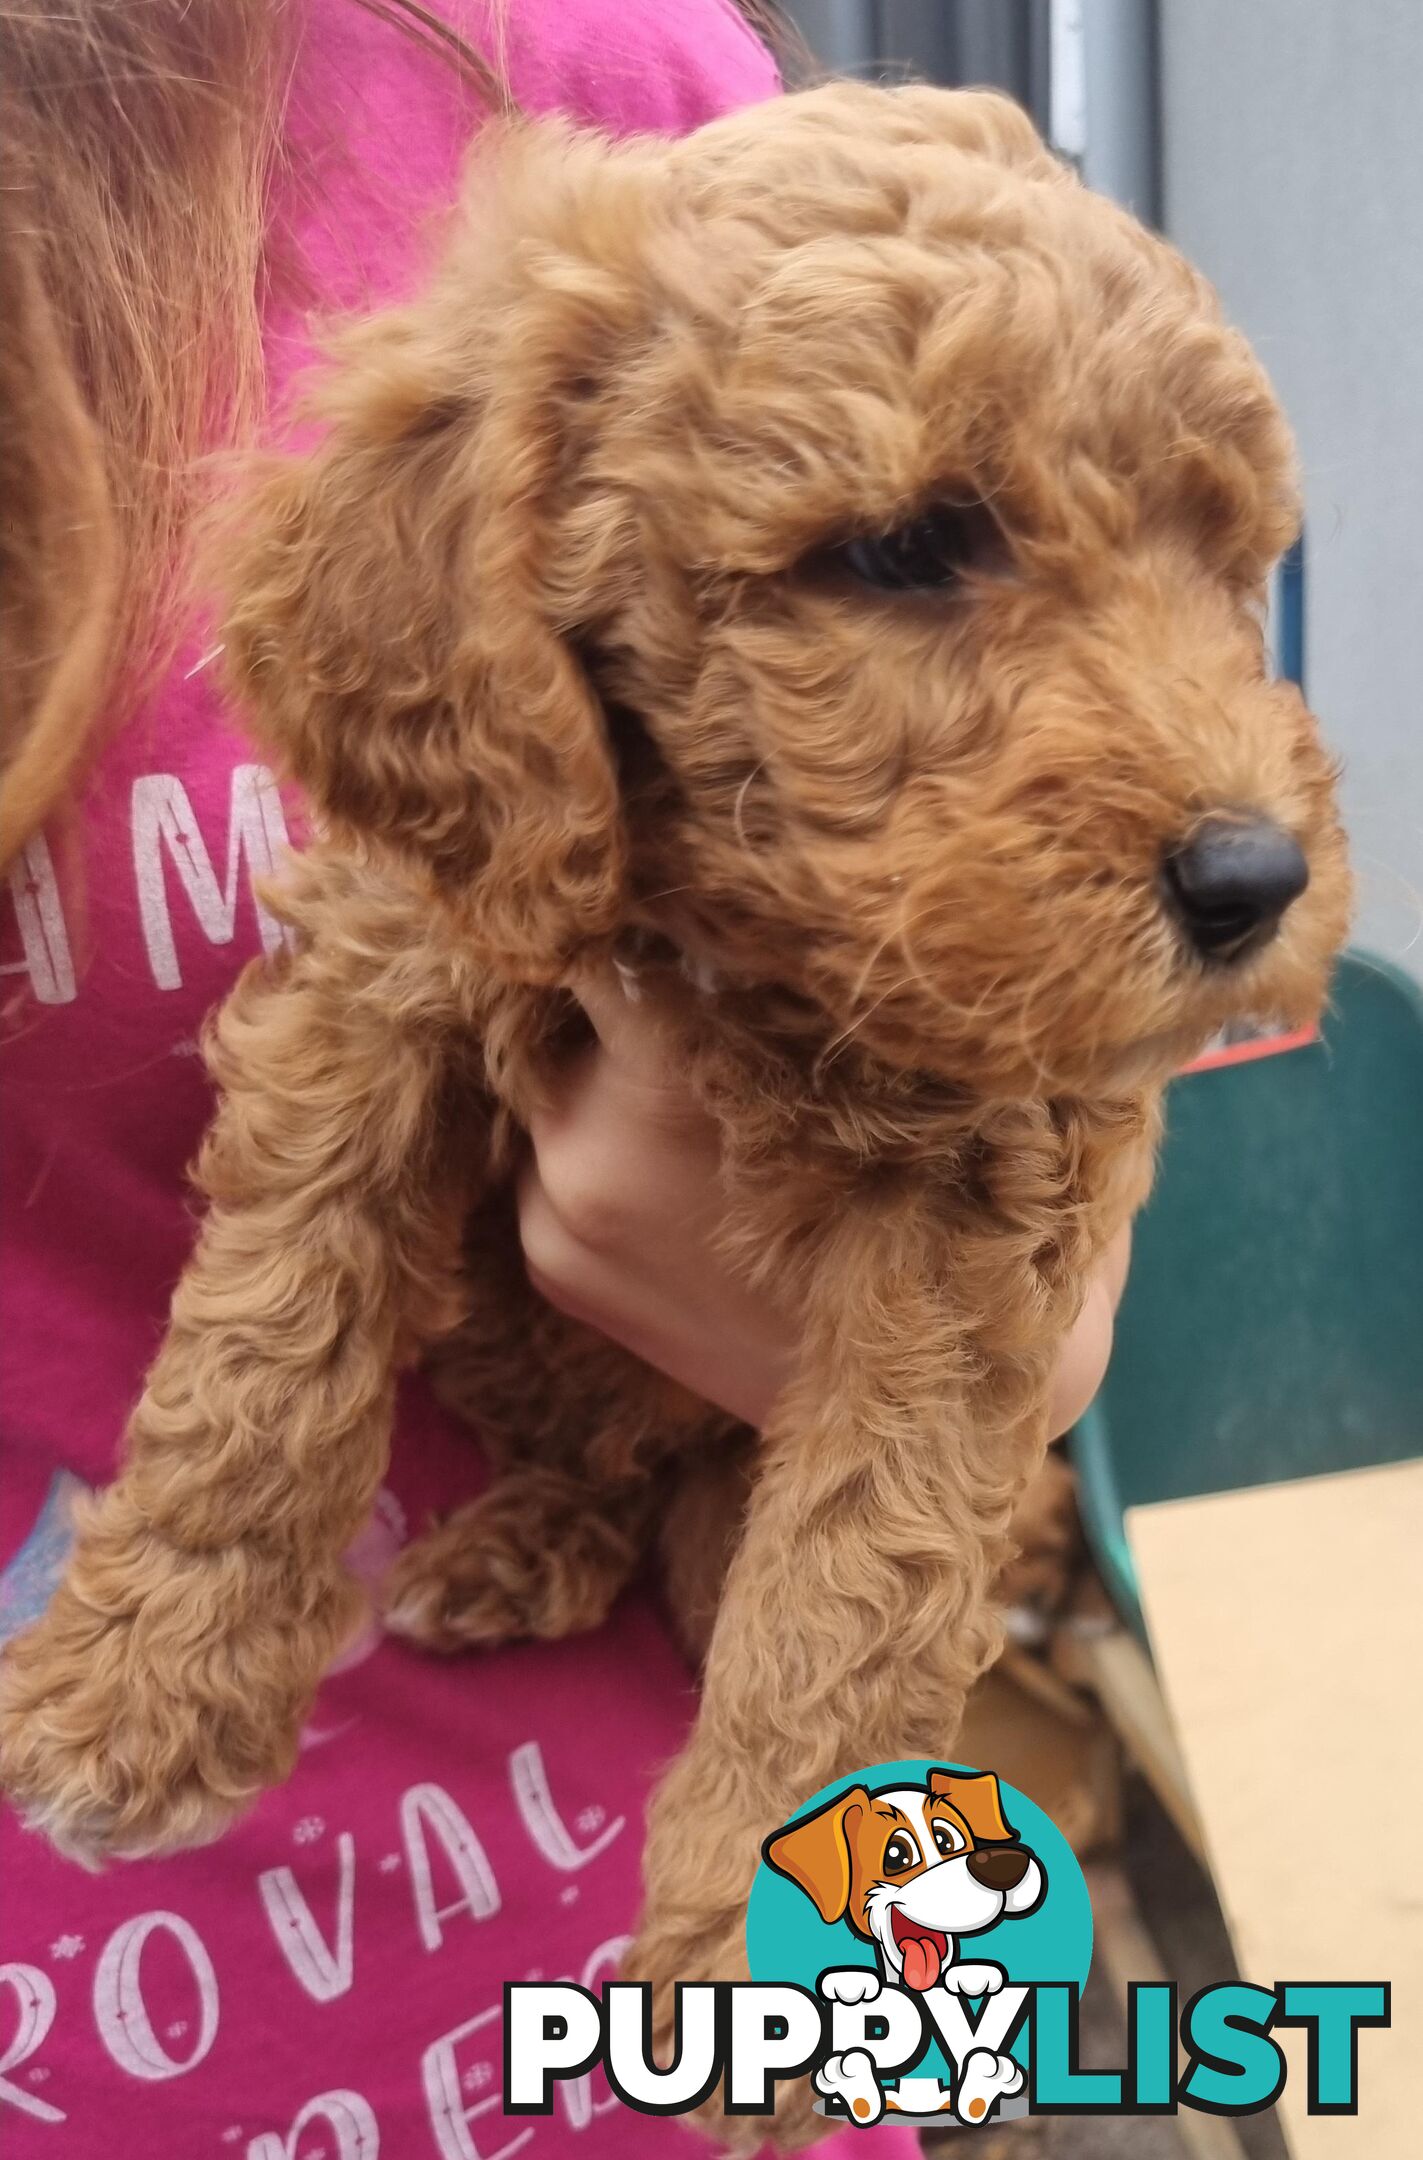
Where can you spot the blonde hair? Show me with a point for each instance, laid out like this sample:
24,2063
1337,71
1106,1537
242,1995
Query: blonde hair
139,143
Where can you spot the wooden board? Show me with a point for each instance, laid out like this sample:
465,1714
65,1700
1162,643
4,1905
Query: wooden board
1287,1628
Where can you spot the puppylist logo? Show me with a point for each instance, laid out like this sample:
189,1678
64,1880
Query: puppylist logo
918,1936
921,1872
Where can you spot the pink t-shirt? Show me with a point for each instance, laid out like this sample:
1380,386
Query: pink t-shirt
325,1983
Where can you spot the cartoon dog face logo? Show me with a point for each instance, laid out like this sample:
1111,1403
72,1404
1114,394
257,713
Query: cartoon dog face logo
914,1868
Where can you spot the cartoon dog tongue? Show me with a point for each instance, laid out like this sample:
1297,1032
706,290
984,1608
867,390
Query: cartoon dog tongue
921,1961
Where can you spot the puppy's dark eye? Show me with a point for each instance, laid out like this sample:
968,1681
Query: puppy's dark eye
900,1853
947,1839
926,554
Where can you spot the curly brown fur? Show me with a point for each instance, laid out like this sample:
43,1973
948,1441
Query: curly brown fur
551,628
578,1435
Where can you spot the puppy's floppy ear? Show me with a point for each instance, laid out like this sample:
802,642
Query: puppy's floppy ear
814,1853
977,1796
390,623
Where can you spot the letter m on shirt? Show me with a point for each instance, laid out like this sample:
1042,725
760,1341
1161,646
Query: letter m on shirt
166,839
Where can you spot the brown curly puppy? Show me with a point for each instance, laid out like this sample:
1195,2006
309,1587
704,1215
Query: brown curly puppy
819,562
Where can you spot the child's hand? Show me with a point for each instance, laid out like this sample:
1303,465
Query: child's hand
618,1210
618,1207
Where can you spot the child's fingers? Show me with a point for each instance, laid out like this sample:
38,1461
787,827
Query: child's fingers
1082,1360
1116,1262
632,1032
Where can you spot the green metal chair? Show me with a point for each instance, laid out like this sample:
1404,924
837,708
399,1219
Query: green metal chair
1273,1323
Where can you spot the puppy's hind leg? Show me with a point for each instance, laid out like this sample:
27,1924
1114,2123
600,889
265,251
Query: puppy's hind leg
542,1553
579,1433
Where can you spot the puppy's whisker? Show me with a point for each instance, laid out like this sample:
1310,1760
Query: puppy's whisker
1029,1037
871,963
838,1042
739,806
1394,877
917,973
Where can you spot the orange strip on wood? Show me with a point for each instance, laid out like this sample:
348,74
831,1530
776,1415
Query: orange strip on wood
1245,1053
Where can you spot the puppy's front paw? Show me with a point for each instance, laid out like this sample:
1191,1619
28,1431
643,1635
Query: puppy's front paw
142,1714
690,1943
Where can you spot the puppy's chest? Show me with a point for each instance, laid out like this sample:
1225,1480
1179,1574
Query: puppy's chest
808,1132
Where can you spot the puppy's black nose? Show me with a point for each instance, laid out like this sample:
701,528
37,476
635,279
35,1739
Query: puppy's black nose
998,1867
1232,881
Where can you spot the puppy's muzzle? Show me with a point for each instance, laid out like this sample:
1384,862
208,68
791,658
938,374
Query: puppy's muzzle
998,1867
1230,884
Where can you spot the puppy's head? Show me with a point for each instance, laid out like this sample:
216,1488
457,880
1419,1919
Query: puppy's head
912,1868
834,543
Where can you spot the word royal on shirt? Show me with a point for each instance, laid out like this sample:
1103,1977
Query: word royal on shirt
319,1952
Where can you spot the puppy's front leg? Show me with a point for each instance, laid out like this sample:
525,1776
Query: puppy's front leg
858,1609
205,1593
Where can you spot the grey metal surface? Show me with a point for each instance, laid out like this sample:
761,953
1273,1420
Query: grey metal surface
950,41
842,33
1121,83
1293,173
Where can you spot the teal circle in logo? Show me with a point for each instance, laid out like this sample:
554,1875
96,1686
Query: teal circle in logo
788,1939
